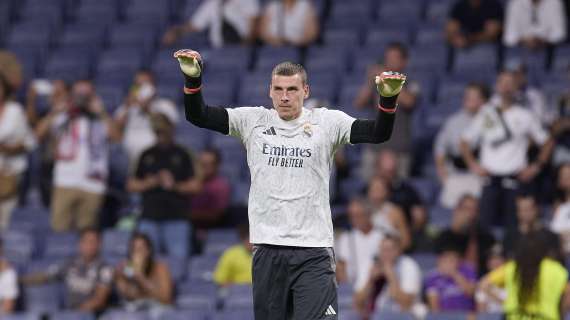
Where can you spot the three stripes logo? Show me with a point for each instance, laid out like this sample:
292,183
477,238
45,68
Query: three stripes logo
270,131
330,311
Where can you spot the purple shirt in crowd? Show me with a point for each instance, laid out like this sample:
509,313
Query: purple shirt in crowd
451,297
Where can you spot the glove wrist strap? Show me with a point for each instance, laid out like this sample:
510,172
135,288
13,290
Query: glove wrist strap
388,104
192,90
387,110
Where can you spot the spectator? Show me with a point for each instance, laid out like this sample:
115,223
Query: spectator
394,284
55,96
451,286
357,248
534,24
83,130
451,169
11,70
561,129
536,284
87,279
473,241
142,282
9,290
228,22
529,221
289,22
133,117
492,303
473,22
164,177
235,264
212,202
403,195
395,59
16,139
386,216
561,220
504,129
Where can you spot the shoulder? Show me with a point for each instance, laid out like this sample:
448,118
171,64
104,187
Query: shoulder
249,111
409,264
329,114
14,110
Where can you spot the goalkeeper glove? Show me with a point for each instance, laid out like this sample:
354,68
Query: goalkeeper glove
191,66
390,83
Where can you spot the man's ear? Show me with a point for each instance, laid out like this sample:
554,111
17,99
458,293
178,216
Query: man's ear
307,91
270,91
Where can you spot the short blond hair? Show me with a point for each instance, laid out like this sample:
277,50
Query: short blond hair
289,68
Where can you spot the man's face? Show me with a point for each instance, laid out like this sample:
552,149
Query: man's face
394,60
564,178
288,94
387,165
506,85
208,164
466,212
527,212
359,217
389,250
89,245
473,100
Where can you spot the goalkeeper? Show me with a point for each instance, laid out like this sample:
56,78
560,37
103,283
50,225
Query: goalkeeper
290,155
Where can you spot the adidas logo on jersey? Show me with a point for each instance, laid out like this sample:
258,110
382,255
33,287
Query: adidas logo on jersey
270,131
330,311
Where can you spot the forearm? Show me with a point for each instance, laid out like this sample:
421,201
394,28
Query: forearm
203,116
12,149
379,130
467,154
466,286
403,299
545,152
140,185
191,186
8,306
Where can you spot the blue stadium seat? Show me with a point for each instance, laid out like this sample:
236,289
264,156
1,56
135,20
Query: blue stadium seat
201,267
561,59
427,189
182,314
112,94
490,316
18,246
481,58
29,57
388,315
426,261
440,217
239,297
124,315
244,314
447,316
37,35
430,34
43,298
191,137
22,316
233,58
102,13
115,242
88,36
382,37
197,296
119,65
428,58
60,245
72,315
437,11
365,57
348,314
345,15
43,14
177,266
409,11
268,57
136,35
342,38
450,92
345,295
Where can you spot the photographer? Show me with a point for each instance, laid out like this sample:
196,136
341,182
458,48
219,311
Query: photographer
82,130
142,282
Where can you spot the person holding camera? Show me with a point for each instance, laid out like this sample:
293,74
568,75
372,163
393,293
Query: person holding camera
142,282
82,130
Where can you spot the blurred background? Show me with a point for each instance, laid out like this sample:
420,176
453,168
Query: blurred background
113,206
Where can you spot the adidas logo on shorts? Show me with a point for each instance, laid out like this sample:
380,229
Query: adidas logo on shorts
270,131
330,311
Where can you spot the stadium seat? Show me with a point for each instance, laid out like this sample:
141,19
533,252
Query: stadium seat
219,240
112,95
348,314
561,59
268,57
201,267
103,13
342,38
437,11
120,64
382,37
388,315
60,245
191,137
482,58
124,315
446,316
490,316
22,316
232,58
239,297
427,189
345,295
409,11
36,35
18,246
430,58
440,217
116,242
430,34
242,314
177,266
348,16
72,315
426,261
43,298
183,314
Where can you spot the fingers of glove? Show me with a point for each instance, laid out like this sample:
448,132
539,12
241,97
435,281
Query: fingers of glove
188,53
390,77
190,62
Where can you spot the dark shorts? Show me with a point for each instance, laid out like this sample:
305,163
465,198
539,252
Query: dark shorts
294,283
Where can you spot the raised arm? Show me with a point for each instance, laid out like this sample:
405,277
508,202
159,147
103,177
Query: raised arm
388,84
196,110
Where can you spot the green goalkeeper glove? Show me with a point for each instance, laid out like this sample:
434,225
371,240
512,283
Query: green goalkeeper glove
191,66
389,83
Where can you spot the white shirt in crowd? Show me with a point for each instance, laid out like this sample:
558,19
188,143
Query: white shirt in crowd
504,149
238,13
73,172
410,280
561,223
546,20
358,250
138,134
8,284
289,25
14,129
290,164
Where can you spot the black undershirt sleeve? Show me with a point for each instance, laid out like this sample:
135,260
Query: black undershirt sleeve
203,116
378,130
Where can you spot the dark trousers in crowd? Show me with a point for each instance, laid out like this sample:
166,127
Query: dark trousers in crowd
497,205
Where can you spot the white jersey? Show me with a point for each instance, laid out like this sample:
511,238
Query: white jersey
290,164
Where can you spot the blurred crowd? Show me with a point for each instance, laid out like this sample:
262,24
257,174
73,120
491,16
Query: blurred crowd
422,221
